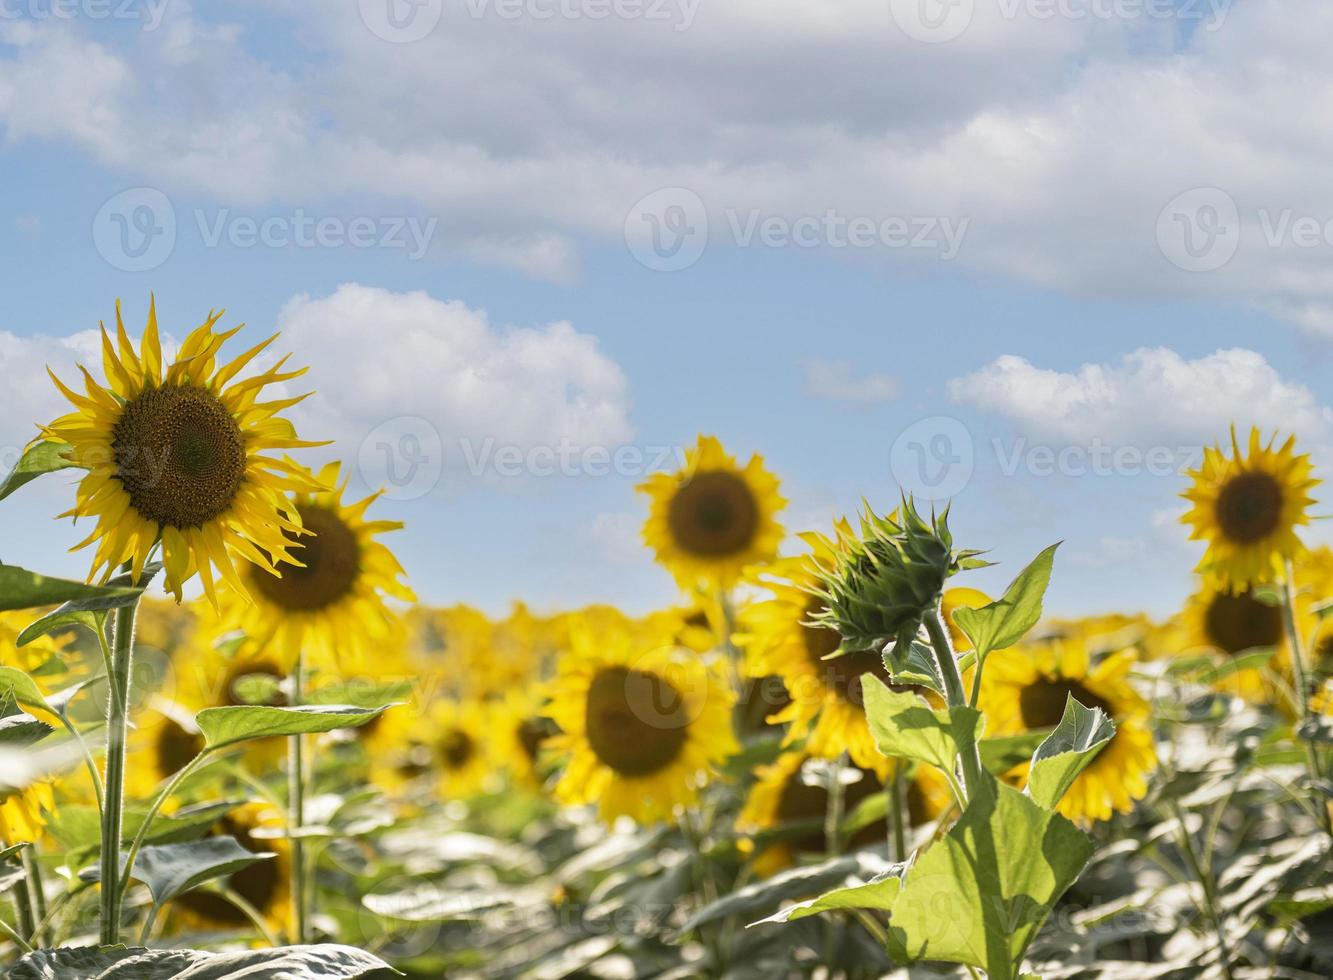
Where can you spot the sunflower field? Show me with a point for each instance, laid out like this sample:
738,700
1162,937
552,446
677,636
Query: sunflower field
242,747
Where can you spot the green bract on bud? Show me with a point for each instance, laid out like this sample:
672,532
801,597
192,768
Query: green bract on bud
886,578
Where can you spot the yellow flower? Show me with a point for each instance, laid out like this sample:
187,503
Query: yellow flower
1025,689
643,724
23,813
953,600
785,809
521,731
1230,624
264,885
1247,509
329,601
709,520
459,734
175,455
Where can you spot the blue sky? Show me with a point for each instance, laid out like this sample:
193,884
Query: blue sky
1065,321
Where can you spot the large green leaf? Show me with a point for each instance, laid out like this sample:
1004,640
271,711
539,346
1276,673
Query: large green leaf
38,458
222,727
91,612
1003,752
905,727
1081,734
22,589
169,870
118,963
24,690
880,893
1005,621
19,731
979,895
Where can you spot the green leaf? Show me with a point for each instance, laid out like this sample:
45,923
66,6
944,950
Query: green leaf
1081,734
1007,620
22,589
20,731
222,727
878,893
362,694
919,668
23,689
119,963
979,895
905,727
91,612
169,870
40,457
1003,752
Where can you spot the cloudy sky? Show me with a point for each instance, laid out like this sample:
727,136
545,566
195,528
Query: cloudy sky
1029,255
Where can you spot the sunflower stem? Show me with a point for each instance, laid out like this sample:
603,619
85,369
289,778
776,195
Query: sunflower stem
1205,879
23,917
897,830
947,663
832,846
113,813
32,866
296,809
1301,679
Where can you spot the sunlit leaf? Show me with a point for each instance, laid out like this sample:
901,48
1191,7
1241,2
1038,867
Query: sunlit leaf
1007,620
1067,751
168,870
231,725
39,458
905,727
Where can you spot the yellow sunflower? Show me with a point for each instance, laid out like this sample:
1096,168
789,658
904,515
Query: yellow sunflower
709,520
1247,509
23,812
396,749
1230,624
779,639
264,885
787,797
175,454
164,740
329,602
1025,689
643,724
522,731
459,734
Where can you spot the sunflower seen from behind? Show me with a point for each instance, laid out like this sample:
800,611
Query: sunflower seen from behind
644,723
1026,688
329,602
710,519
1247,508
178,454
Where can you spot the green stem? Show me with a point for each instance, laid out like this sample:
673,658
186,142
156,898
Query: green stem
953,691
832,847
14,937
1205,880
23,917
113,812
88,761
296,811
1301,678
37,890
253,914
163,795
897,827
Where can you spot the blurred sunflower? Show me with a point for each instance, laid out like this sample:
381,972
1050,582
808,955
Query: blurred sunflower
785,809
522,731
1232,624
164,740
1025,689
459,734
265,885
329,600
23,812
957,598
1248,508
780,638
177,457
642,723
712,518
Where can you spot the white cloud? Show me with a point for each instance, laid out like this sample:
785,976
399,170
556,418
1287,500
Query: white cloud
1151,396
376,356
28,397
841,381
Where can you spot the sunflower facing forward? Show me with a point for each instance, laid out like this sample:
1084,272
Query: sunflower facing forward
642,724
1248,508
1025,689
176,455
329,602
709,520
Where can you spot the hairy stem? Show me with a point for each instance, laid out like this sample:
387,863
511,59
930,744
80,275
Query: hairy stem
296,811
970,757
113,810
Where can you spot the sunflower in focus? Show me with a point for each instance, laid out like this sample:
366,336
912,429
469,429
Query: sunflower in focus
264,885
1025,689
329,600
176,454
786,807
712,518
642,723
459,735
1248,508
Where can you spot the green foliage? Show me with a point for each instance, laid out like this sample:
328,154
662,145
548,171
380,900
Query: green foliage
224,727
121,963
168,870
22,589
1067,751
905,727
39,458
1007,620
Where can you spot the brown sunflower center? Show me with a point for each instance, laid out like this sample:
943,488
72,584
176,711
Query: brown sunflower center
1249,507
1042,703
259,884
179,455
331,556
713,515
532,732
175,748
1235,623
637,722
840,674
801,802
456,748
